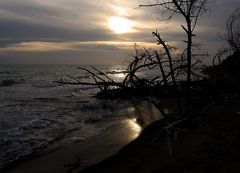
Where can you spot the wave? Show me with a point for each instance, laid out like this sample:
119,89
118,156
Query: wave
117,72
5,72
9,82
45,85
47,99
41,134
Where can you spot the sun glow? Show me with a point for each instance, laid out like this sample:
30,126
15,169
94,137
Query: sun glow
120,25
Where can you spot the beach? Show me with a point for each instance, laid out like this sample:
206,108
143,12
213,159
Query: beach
210,147
76,132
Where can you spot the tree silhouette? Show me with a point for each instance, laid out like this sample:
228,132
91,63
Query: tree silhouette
233,30
190,10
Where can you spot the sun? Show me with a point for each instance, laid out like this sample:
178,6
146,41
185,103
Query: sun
120,25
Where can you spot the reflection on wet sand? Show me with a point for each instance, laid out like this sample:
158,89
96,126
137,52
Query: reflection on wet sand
145,114
134,128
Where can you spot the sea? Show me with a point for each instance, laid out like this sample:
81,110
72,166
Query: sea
38,114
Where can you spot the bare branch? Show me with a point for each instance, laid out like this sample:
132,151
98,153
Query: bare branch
233,30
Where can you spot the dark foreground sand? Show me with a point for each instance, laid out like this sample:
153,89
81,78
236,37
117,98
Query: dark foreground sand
213,147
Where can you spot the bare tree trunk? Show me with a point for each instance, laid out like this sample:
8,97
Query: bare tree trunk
189,53
161,68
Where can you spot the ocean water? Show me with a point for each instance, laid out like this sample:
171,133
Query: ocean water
38,114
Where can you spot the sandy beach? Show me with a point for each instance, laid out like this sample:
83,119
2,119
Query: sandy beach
210,147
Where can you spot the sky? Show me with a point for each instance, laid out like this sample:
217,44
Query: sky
95,31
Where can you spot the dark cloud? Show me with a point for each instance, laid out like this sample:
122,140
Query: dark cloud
25,31
106,56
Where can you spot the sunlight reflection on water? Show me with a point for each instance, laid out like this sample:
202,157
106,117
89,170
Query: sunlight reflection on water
120,75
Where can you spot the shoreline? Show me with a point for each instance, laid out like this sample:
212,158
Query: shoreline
81,154
74,157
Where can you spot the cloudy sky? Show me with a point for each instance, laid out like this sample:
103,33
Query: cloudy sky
94,31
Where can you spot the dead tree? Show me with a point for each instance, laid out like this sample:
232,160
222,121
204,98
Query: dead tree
233,30
190,10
